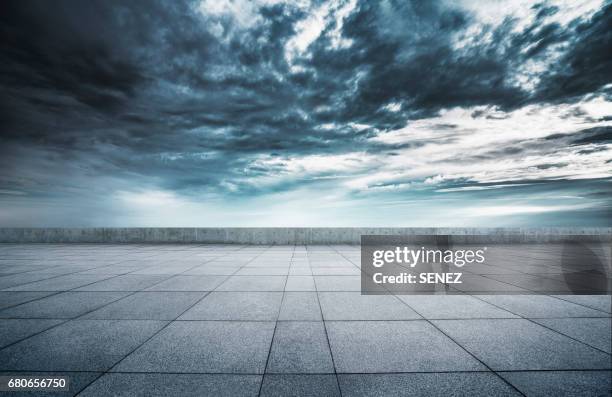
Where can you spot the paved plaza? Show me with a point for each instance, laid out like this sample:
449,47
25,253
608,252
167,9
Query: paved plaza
234,320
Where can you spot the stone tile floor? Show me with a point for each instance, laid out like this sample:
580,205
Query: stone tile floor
197,320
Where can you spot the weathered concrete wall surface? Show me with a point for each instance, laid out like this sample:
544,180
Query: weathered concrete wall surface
306,235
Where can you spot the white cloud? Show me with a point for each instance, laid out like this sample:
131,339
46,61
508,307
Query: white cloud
244,13
341,13
491,14
494,12
440,148
149,198
319,164
506,210
393,107
329,14
478,188
308,30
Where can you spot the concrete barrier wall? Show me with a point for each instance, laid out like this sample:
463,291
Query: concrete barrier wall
298,235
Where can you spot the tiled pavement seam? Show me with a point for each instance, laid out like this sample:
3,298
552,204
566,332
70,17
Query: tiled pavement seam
326,333
166,325
275,326
552,295
579,304
468,351
460,345
65,320
54,276
172,275
530,319
53,293
130,293
75,289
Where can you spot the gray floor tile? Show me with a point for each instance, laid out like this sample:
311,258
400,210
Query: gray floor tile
300,347
62,305
252,306
395,346
300,283
300,306
204,346
338,283
13,280
300,270
242,347
332,263
562,383
599,302
583,282
8,299
538,283
534,306
173,385
166,268
596,332
77,381
453,307
189,283
211,271
67,269
283,264
264,271
336,271
480,284
148,306
127,282
78,345
253,283
275,385
354,306
62,283
7,270
476,268
14,330
519,344
433,384
113,270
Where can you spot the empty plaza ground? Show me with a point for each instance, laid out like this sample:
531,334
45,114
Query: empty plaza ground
195,320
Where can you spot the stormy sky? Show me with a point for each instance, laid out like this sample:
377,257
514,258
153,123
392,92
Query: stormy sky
305,113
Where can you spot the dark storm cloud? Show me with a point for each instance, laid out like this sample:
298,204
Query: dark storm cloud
593,135
159,91
417,66
420,68
587,66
